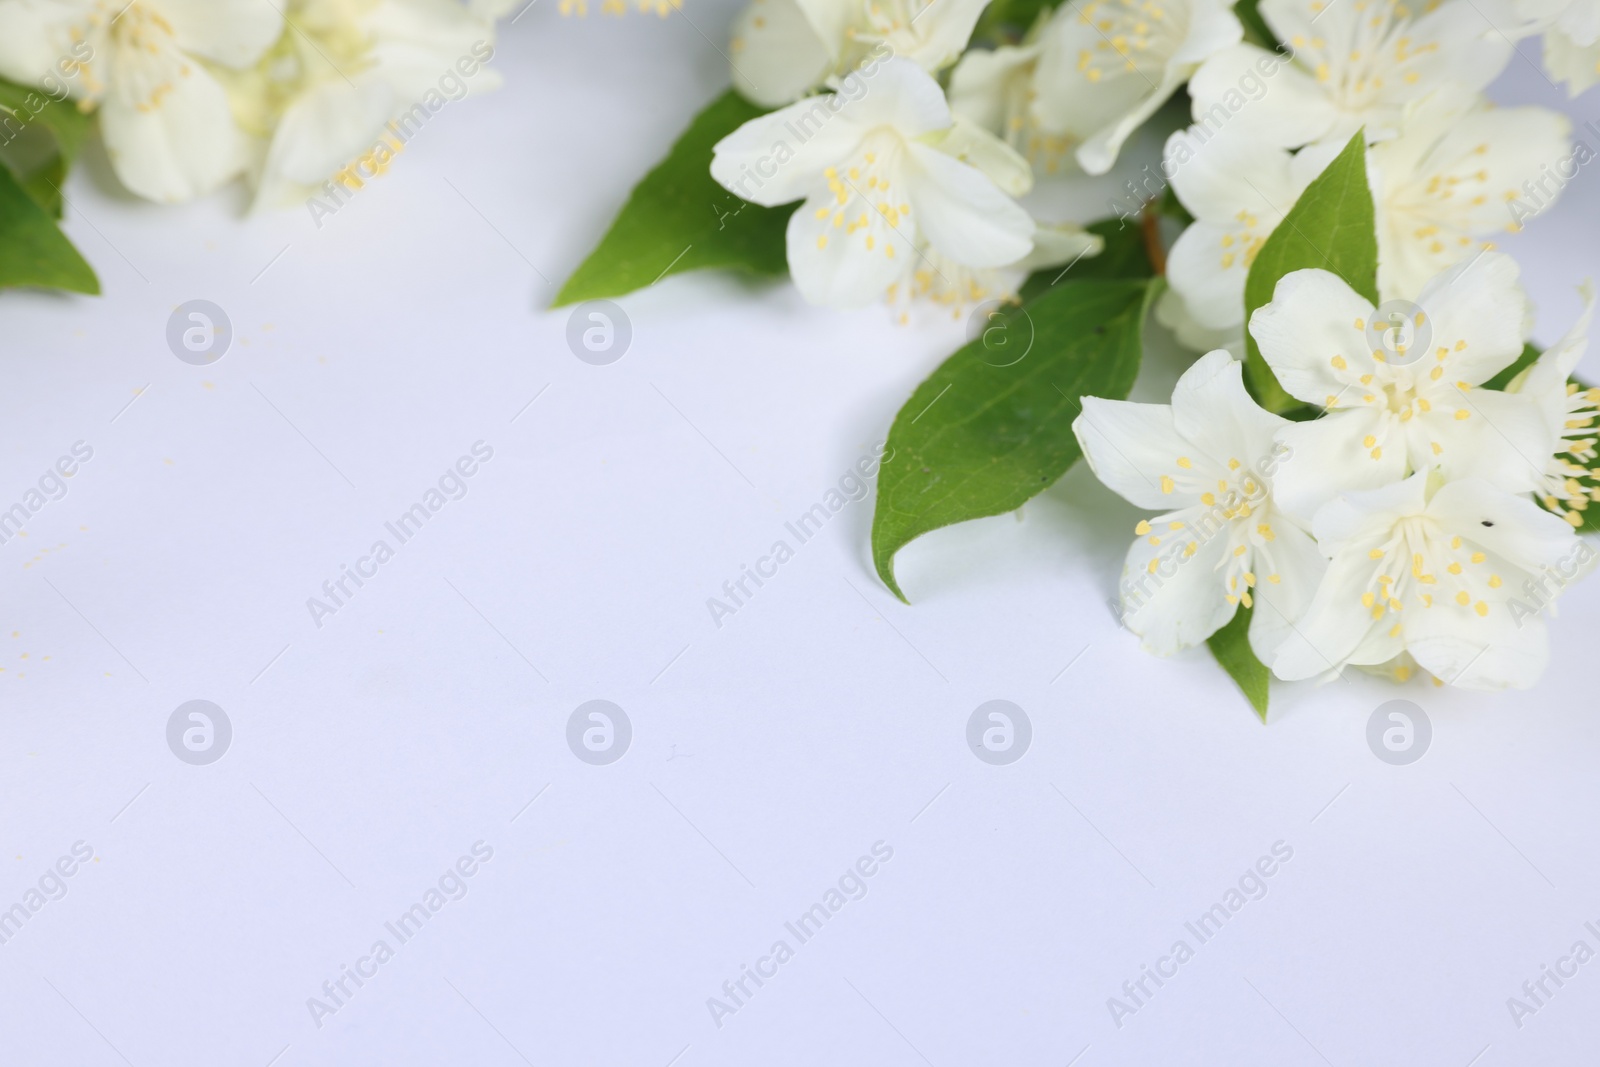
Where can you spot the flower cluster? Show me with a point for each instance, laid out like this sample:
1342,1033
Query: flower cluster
856,83
1448,170
194,93
1398,527
1417,502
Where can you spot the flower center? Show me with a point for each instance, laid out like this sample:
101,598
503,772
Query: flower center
1238,509
868,205
146,63
1135,35
1419,563
1379,51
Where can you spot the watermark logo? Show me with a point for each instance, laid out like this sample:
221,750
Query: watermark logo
599,332
1005,331
199,732
999,732
199,332
599,732
1399,332
1399,732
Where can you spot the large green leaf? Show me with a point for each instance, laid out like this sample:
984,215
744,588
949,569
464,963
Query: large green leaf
992,427
33,251
1231,646
679,219
39,141
1330,227
1124,256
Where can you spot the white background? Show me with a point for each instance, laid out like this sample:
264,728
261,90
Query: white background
768,754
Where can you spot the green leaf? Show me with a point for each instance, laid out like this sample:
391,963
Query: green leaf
1256,30
33,251
988,431
679,219
1124,256
1331,227
1524,361
1231,646
1006,21
40,138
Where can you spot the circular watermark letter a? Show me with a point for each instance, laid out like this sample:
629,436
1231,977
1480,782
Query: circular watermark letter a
199,332
199,732
1399,732
599,332
599,732
999,732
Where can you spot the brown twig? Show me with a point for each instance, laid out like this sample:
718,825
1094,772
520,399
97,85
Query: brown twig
1150,224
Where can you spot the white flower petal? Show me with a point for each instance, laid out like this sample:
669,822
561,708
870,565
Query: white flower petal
999,162
1100,148
766,162
1499,651
962,213
1310,322
1133,449
1212,410
1207,269
1330,455
1055,243
847,265
1507,525
777,55
1481,304
1293,110
234,33
1502,439
1182,601
183,145
323,131
35,36
1334,625
1289,571
938,34
981,84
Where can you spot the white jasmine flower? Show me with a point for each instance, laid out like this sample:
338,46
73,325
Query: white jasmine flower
1456,175
1238,188
878,184
1434,570
941,281
164,117
783,49
1107,65
1353,64
1207,463
329,94
1402,393
995,89
1571,38
1570,412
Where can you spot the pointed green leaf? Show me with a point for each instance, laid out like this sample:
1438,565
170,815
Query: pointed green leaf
679,219
39,140
1231,646
1330,227
988,430
33,250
